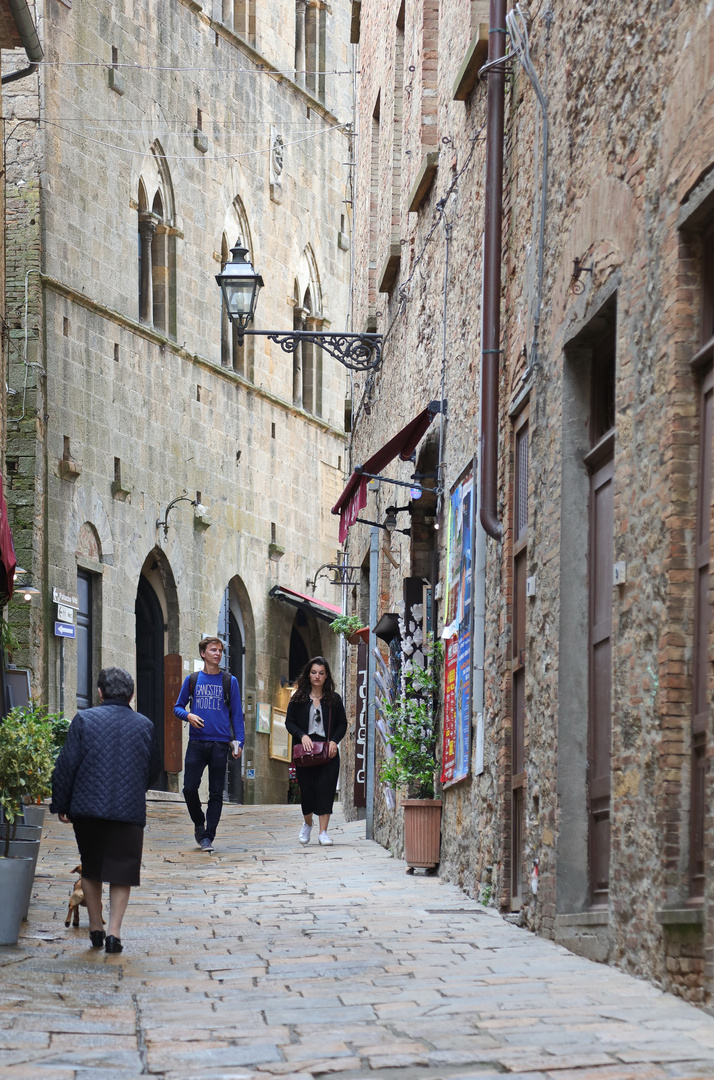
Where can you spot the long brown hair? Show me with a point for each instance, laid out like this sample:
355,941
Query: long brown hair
302,693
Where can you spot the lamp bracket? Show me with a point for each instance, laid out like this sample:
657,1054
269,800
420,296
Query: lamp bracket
381,525
358,352
181,498
400,483
344,575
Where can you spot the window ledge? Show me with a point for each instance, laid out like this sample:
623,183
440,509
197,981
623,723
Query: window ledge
597,917
682,916
476,56
425,178
390,268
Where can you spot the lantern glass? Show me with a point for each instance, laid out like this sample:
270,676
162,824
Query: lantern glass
240,285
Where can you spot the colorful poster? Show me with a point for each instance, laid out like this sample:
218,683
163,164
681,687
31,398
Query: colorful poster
448,758
458,632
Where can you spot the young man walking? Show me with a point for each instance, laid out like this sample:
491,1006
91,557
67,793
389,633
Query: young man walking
216,719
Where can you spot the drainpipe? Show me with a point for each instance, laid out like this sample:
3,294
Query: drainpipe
30,41
491,329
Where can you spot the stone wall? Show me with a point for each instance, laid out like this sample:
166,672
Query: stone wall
631,110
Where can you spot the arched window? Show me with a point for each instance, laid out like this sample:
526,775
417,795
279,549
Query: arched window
157,245
307,358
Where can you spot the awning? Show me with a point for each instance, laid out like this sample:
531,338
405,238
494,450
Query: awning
354,497
320,608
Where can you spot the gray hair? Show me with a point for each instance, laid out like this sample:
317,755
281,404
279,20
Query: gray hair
114,682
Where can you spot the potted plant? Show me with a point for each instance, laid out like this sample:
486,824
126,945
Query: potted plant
26,762
411,767
350,626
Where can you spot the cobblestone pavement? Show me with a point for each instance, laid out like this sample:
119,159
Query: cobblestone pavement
269,960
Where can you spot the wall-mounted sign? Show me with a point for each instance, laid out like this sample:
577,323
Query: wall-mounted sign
65,630
65,614
250,774
69,599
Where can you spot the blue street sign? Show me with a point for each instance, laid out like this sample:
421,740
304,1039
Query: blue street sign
65,629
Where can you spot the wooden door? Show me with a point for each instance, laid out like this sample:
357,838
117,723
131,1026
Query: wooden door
600,676
173,727
702,616
518,660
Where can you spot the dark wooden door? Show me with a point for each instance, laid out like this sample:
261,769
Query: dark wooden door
173,727
236,652
150,664
518,661
85,689
600,676
702,616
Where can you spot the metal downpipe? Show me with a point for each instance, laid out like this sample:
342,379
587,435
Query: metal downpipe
30,40
491,333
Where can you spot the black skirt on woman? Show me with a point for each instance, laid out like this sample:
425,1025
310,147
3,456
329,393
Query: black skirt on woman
109,850
318,785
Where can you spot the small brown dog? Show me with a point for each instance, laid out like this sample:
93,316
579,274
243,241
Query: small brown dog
76,900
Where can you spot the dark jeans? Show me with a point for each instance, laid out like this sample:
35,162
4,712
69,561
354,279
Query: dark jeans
199,754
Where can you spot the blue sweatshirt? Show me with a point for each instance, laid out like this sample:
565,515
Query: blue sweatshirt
208,703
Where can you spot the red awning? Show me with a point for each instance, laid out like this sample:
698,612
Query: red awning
8,562
354,497
320,608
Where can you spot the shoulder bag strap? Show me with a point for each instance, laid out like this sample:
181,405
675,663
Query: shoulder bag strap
227,687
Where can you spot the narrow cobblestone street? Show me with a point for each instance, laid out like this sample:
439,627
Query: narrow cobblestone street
266,959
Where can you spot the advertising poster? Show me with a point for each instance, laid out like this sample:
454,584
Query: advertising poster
458,631
448,758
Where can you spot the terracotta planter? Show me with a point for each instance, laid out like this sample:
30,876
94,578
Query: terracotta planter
422,832
359,635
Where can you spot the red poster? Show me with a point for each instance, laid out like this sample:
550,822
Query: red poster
448,756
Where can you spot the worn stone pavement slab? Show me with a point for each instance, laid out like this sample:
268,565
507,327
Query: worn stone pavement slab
267,961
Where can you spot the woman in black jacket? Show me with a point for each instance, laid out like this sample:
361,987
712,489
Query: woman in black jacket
99,785
316,712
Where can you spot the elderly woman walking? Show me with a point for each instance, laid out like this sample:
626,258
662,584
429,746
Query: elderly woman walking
99,785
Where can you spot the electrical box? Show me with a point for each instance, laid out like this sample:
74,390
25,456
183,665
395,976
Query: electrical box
531,586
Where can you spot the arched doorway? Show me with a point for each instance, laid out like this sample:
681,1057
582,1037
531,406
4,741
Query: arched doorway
150,663
298,655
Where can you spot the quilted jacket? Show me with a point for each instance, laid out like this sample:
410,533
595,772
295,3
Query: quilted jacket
106,765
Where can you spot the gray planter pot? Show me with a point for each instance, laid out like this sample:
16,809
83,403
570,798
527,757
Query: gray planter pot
22,849
34,814
22,832
15,881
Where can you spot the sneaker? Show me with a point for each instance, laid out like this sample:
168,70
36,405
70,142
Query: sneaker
206,844
198,832
325,840
304,836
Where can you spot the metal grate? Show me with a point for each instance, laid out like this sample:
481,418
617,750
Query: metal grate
522,482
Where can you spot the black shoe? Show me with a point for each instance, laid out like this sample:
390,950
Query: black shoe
198,833
113,944
97,938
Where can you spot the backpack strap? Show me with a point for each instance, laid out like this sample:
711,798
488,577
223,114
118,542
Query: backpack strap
227,684
192,680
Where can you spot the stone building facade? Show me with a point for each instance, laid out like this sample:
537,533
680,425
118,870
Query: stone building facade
592,611
167,133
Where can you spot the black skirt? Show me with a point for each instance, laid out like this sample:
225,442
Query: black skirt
109,850
318,785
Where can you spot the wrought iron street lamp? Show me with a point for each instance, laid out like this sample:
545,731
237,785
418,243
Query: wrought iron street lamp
240,285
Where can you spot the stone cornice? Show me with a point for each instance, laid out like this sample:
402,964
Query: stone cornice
152,335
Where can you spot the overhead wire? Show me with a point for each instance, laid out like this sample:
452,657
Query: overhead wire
186,157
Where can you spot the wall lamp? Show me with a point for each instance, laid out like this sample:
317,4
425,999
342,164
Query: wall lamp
240,285
27,589
200,510
576,285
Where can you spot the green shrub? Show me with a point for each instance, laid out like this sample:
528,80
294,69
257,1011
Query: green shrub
412,731
27,757
346,625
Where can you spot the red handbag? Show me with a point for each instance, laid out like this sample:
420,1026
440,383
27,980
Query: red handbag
320,753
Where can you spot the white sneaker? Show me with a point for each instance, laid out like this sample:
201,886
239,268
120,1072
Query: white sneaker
325,840
304,836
